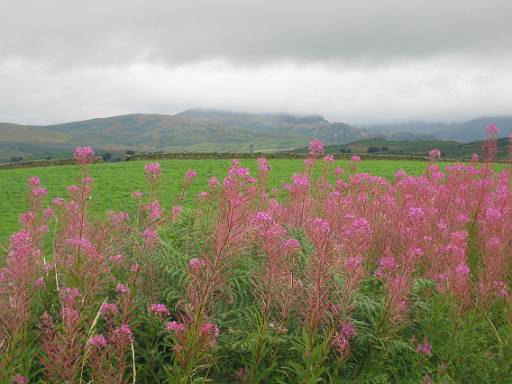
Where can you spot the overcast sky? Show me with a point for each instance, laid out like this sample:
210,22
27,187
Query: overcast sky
357,61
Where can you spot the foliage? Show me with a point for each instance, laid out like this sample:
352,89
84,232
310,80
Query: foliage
336,276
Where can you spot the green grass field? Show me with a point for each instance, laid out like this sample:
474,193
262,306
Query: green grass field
114,182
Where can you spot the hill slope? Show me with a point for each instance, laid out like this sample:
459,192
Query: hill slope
193,130
466,132
198,130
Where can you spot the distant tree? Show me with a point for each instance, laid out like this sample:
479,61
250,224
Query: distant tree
48,157
107,156
373,149
130,152
16,159
384,149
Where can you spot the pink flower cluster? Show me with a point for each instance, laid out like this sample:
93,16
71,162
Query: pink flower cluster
316,148
159,309
84,155
314,246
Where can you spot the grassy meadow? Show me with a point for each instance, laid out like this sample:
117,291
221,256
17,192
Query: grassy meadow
115,182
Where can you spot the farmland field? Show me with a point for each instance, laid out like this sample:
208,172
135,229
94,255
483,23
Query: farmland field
115,182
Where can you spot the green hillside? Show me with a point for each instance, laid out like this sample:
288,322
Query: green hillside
198,130
191,131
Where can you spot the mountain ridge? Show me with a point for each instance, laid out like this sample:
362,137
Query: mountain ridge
191,130
209,130
465,131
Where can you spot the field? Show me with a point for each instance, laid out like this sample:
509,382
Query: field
114,182
290,271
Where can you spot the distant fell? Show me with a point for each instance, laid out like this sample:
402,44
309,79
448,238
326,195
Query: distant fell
206,130
466,132
194,130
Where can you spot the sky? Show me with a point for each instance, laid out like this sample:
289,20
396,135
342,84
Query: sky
357,61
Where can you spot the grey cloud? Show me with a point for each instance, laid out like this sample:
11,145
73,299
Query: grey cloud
99,32
444,89
351,60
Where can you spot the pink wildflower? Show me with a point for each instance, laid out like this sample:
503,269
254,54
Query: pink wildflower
34,181
108,309
492,130
351,263
152,172
116,258
176,212
73,188
424,348
387,262
154,209
434,154
263,217
48,213
97,341
150,237
39,192
27,217
340,344
348,330
300,181
329,159
58,201
196,264
152,168
173,326
263,164
159,309
292,244
210,330
20,379
416,212
123,331
122,289
68,296
84,155
321,226
462,270
213,182
316,148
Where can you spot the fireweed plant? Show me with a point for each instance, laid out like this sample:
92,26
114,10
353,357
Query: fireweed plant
346,277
